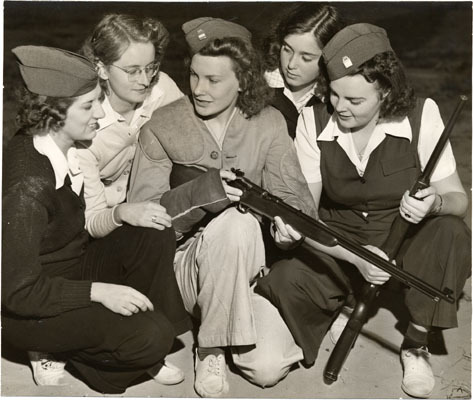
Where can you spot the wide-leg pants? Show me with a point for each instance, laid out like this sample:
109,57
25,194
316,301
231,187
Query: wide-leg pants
110,350
215,271
308,291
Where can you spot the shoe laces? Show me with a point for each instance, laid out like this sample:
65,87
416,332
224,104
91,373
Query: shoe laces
418,352
216,365
48,362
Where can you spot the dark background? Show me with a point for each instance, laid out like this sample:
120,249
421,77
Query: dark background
433,39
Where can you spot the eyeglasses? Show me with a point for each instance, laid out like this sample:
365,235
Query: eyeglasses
134,73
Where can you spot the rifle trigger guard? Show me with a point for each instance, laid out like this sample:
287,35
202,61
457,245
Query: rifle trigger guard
243,209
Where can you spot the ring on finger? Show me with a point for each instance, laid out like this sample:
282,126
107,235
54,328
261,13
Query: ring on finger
154,218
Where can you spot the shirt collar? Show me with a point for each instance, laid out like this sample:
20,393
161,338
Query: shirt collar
62,166
145,110
400,129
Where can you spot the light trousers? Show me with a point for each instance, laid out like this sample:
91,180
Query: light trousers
215,270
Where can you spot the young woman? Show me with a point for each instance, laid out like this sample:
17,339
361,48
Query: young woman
292,54
360,162
111,307
225,124
127,51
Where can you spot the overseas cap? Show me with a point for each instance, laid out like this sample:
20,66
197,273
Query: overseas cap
202,30
352,46
54,72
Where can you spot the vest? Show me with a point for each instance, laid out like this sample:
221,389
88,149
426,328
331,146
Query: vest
365,207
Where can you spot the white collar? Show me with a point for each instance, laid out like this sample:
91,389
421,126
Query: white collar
62,166
145,110
400,129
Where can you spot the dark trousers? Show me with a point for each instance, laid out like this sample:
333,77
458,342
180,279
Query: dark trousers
109,350
309,288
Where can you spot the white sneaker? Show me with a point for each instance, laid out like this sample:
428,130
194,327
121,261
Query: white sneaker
339,324
418,379
166,374
211,376
47,371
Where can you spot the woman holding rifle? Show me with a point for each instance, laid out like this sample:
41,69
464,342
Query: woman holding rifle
360,154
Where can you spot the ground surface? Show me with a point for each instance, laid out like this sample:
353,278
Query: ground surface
433,40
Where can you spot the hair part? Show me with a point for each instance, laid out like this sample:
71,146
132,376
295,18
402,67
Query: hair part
255,93
40,114
115,32
322,20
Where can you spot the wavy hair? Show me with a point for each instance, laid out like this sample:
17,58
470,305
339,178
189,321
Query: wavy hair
255,93
322,20
385,69
39,113
115,32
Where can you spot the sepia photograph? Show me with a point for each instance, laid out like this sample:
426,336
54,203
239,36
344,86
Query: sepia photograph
236,199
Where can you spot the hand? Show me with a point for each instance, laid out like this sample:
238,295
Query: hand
147,214
284,235
120,299
414,209
371,273
233,193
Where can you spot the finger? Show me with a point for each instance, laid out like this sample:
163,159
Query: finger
293,233
233,191
125,311
157,219
227,175
280,226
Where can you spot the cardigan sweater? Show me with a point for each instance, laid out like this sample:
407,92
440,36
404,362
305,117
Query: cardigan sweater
43,237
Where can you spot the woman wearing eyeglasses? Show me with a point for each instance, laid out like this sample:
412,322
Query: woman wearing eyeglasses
127,51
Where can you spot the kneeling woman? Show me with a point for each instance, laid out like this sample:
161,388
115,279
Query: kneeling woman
111,306
359,162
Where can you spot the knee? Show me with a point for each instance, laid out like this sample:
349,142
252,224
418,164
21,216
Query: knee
266,372
450,226
283,276
239,227
148,343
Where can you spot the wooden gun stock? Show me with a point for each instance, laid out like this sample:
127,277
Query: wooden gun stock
391,247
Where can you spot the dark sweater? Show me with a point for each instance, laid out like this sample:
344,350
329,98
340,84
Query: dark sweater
43,236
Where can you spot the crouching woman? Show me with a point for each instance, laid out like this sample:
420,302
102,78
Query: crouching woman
111,307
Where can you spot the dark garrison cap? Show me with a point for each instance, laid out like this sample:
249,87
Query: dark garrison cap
202,30
55,72
353,46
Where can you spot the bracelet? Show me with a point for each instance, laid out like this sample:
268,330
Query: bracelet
113,215
437,209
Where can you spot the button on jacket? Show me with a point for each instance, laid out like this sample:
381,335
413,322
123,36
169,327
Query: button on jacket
259,146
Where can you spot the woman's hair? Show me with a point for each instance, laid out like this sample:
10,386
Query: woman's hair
38,113
386,70
255,93
115,32
322,20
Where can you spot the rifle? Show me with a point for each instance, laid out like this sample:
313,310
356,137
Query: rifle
262,202
390,247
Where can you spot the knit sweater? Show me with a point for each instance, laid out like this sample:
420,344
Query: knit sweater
43,236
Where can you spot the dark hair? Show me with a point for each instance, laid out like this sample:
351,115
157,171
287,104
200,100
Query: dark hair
40,113
255,93
114,33
387,71
322,20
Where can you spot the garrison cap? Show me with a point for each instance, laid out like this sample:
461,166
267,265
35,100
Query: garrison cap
201,31
55,72
353,46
